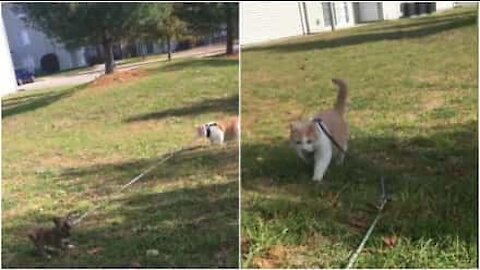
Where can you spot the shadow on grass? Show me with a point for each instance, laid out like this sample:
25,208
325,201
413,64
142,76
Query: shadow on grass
425,28
227,105
433,180
30,102
421,22
198,162
192,224
189,227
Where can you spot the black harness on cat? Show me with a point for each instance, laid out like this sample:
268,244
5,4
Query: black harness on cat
207,128
319,122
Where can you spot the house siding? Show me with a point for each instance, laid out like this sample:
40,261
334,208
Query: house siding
28,45
391,10
264,21
444,5
315,18
8,82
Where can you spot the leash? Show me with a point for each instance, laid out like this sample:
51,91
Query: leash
384,199
132,181
329,136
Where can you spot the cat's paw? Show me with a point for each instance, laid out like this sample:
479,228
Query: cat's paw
70,246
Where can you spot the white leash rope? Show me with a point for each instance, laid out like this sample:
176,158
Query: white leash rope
385,199
354,256
138,177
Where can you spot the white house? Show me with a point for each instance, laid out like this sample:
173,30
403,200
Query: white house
28,46
8,83
265,21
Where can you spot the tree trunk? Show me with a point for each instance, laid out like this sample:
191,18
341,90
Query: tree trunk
331,12
108,56
169,48
230,30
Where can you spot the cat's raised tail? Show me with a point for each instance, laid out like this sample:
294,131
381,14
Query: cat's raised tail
341,103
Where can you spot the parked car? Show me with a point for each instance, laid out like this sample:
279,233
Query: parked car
24,76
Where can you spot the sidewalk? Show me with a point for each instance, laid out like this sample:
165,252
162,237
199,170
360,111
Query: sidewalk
86,76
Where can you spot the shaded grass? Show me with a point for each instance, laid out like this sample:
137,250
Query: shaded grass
67,150
413,119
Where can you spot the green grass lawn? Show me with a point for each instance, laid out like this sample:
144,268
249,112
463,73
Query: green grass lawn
66,150
412,116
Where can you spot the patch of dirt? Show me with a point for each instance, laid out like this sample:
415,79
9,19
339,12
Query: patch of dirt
118,77
227,56
144,127
279,256
233,56
264,263
433,101
58,160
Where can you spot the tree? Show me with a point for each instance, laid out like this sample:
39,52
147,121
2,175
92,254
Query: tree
170,28
173,28
78,24
208,18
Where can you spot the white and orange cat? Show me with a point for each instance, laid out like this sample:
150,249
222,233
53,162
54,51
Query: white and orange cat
326,134
220,132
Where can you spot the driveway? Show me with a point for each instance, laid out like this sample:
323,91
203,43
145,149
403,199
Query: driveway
85,76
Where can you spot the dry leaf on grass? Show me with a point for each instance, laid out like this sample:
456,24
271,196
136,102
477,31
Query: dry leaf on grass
389,241
94,251
245,245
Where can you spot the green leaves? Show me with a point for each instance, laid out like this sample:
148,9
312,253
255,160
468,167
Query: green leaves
77,24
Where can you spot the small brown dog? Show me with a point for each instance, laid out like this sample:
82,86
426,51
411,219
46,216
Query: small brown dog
56,237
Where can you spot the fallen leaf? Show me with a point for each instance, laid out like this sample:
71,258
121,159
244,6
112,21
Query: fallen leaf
389,241
245,245
94,251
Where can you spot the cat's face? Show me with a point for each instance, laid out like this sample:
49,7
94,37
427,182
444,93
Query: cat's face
303,135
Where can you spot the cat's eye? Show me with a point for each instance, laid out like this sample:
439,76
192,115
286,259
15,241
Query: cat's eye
309,141
298,142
